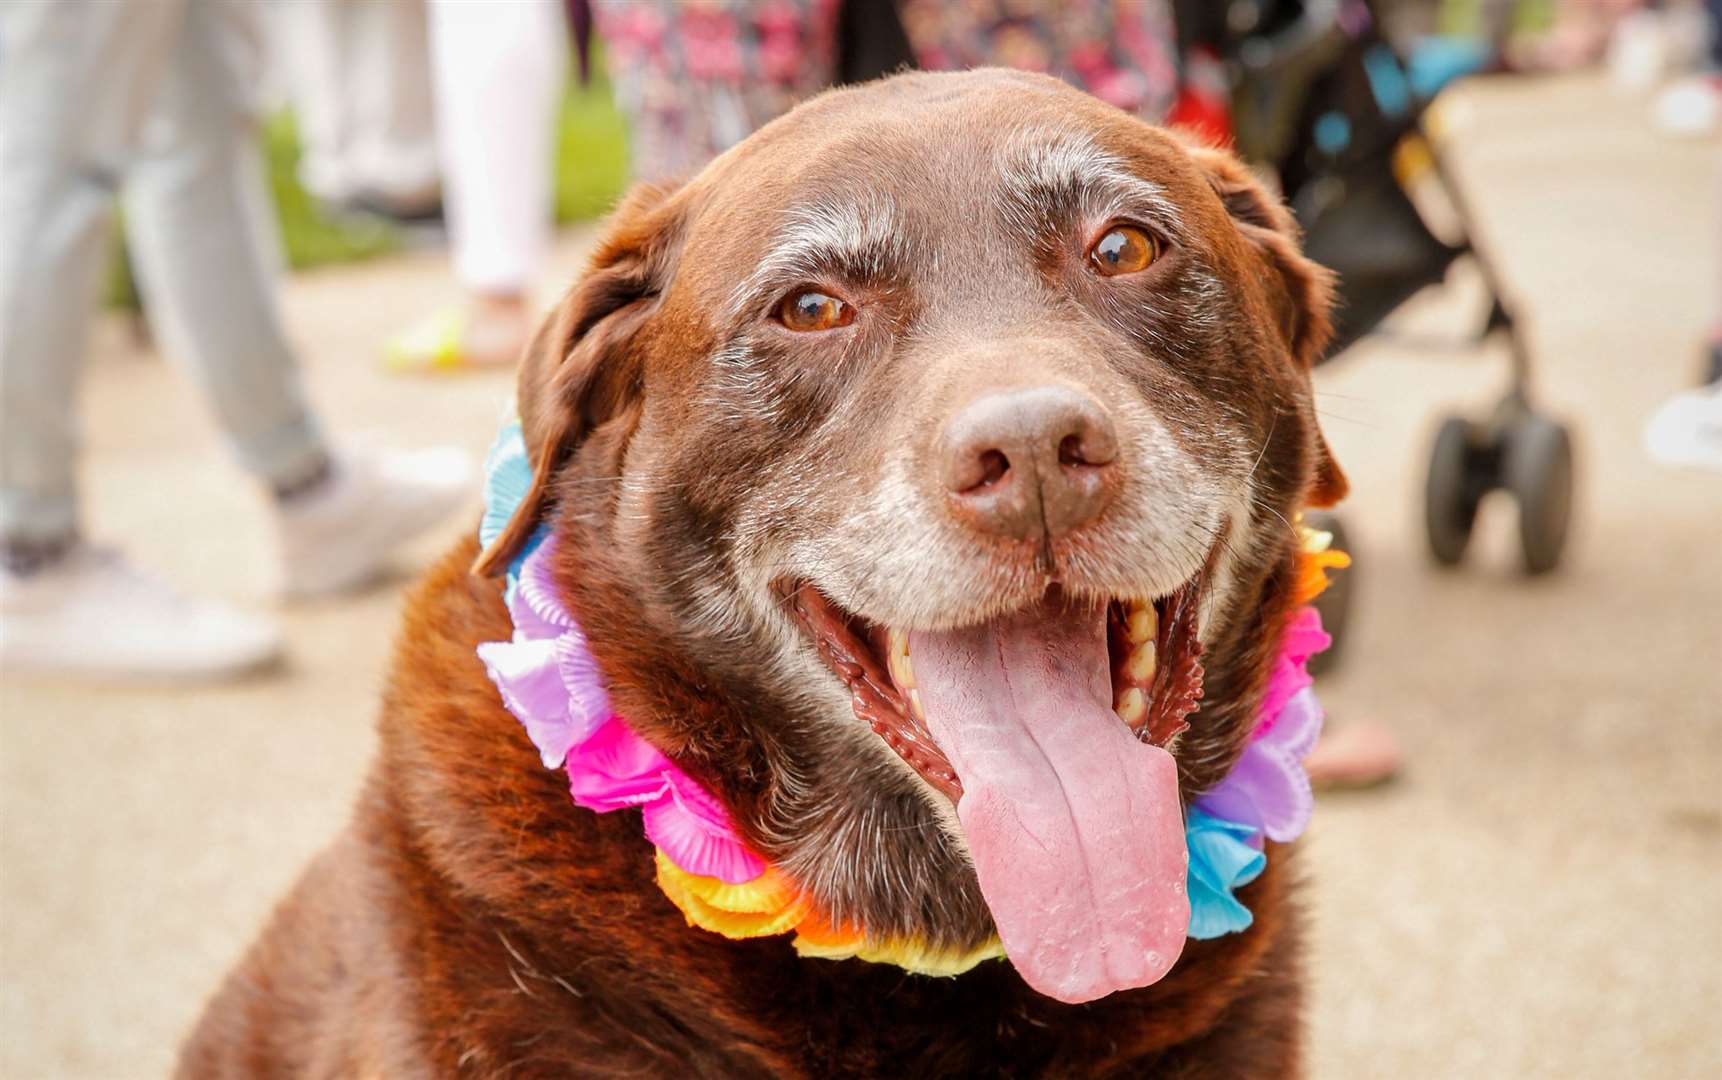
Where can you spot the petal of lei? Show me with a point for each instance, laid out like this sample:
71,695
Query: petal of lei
526,676
694,845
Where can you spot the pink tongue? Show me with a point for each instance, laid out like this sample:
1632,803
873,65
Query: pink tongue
1073,822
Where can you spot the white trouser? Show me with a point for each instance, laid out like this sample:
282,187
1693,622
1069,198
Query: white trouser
154,94
358,73
498,70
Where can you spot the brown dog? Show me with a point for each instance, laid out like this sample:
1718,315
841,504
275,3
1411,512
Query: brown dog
968,366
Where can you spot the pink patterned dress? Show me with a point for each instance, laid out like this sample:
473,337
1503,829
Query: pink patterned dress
695,77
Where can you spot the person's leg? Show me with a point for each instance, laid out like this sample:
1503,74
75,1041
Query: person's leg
316,47
205,245
498,72
394,150
74,81
1685,431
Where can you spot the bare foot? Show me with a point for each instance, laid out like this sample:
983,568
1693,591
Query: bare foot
1354,756
497,329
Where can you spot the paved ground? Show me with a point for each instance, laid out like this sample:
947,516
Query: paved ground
1540,896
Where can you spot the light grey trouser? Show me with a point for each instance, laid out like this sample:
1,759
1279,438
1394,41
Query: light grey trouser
155,95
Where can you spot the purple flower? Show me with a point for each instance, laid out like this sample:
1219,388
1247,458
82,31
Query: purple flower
1268,789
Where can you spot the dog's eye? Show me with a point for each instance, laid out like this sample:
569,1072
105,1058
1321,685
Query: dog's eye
810,310
1123,249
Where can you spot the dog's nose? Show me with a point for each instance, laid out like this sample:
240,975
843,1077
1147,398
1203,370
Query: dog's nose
1030,462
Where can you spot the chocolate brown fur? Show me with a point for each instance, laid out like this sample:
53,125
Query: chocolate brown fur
472,921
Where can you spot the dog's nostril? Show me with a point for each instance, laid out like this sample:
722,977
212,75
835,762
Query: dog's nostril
1071,452
994,465
1090,443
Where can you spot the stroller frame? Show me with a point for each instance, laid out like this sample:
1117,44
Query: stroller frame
1298,66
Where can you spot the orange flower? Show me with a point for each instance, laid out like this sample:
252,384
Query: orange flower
819,940
1314,561
1312,573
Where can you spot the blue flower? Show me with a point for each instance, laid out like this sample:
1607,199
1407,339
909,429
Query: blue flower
507,478
1221,859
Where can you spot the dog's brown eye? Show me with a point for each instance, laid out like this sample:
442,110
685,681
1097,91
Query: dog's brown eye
1124,249
812,310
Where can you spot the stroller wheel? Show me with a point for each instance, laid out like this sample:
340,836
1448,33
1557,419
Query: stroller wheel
1334,604
1539,472
1457,479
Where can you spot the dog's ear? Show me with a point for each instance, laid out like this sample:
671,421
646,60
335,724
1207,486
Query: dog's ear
579,369
1300,290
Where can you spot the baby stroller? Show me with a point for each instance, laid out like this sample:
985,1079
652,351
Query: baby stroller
1320,95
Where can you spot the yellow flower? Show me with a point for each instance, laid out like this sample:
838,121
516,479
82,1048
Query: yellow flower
769,904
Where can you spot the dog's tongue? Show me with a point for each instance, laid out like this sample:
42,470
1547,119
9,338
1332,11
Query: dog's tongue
1073,822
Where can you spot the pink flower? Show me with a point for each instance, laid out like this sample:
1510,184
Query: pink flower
1268,789
1303,638
550,681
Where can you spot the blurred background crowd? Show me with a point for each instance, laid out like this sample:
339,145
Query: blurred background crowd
161,161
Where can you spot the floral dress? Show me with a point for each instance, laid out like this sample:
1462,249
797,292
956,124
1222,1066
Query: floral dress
695,77
1121,51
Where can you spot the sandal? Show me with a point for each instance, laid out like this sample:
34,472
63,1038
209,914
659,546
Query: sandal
456,338
1361,755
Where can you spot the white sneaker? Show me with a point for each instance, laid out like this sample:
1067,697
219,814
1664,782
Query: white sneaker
1686,431
1691,108
342,536
93,614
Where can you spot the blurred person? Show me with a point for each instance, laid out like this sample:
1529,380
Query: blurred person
1686,430
1123,54
358,76
498,73
695,80
77,84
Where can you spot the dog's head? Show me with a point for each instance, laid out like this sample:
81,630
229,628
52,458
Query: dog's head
910,462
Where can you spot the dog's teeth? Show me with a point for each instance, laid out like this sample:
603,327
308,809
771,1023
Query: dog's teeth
915,705
1315,540
1131,706
1139,668
1144,624
897,655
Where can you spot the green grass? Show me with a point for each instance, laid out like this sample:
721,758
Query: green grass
591,152
591,171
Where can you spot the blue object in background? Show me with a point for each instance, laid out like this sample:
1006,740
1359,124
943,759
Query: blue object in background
1437,61
1387,82
1332,133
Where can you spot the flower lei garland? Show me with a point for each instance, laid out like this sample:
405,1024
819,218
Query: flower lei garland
550,681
